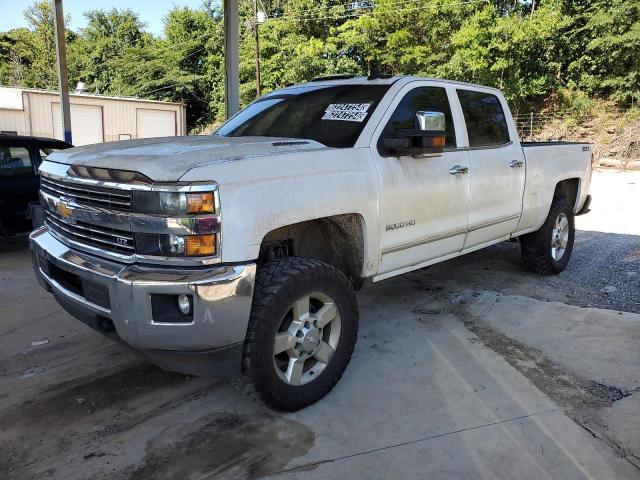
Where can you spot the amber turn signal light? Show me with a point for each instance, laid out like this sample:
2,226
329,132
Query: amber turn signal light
201,203
438,141
200,245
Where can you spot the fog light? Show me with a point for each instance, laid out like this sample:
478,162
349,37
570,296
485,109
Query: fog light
184,304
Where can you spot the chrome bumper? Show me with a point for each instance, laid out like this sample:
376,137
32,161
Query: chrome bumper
115,299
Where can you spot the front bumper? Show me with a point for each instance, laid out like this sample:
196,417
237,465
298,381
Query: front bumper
116,299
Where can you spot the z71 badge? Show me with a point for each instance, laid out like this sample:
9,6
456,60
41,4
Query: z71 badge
395,226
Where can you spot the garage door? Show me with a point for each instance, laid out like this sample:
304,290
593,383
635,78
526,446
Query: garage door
86,124
155,123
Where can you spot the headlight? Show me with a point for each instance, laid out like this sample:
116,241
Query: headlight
176,245
194,213
173,203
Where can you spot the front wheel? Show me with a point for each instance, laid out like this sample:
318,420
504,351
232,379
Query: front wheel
302,332
548,249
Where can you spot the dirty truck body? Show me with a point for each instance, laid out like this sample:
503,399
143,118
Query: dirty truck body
239,252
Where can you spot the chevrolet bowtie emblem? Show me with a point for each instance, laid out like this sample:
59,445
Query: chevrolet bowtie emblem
63,209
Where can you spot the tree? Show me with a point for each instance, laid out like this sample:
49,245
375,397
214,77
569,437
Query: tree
608,61
42,40
520,54
29,54
105,46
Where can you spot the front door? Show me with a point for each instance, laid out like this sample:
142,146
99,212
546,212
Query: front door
424,200
497,169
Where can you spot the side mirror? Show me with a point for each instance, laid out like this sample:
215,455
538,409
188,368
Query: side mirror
427,138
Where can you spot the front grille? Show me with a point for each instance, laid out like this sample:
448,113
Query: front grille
102,197
105,238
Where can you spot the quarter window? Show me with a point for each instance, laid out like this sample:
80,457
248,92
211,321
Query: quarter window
433,99
15,161
485,119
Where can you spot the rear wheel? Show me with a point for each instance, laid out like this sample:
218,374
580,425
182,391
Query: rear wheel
302,332
548,250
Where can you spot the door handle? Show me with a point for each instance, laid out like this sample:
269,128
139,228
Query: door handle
516,163
458,169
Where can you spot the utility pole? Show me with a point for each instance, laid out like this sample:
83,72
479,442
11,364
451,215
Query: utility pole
256,27
231,59
63,76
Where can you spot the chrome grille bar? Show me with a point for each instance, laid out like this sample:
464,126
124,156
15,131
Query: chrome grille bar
118,241
112,199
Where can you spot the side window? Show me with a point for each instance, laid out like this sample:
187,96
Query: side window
15,162
485,119
432,99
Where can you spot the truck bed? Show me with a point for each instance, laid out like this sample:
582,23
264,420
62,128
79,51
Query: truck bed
549,163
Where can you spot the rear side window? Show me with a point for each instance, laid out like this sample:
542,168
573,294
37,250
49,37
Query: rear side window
15,162
433,99
485,119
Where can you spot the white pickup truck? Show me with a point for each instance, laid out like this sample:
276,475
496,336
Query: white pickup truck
240,252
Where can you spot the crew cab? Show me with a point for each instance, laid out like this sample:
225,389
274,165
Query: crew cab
239,253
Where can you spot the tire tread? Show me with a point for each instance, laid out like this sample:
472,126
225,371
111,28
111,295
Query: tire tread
535,246
271,279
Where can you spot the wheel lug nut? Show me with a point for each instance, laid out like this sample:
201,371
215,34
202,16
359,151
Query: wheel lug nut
299,334
315,323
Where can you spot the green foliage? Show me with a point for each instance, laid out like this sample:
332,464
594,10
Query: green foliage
28,54
519,54
110,39
588,47
609,60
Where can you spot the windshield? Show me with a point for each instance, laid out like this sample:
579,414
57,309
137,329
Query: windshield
331,115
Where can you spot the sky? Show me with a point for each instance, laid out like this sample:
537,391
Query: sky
151,11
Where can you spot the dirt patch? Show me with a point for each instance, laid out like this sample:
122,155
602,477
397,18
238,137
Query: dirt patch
73,401
227,445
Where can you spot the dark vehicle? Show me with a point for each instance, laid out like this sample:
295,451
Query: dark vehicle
20,157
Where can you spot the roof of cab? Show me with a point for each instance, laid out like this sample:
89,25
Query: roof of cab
26,139
384,80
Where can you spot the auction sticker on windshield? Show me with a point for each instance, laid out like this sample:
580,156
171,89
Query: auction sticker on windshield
349,112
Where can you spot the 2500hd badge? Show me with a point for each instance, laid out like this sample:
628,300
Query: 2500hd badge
395,226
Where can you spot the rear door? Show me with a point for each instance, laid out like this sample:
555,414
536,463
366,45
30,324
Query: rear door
423,205
496,167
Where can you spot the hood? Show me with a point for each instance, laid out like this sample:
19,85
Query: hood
169,158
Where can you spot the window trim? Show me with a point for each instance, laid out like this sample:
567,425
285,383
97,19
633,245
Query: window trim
485,147
505,111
